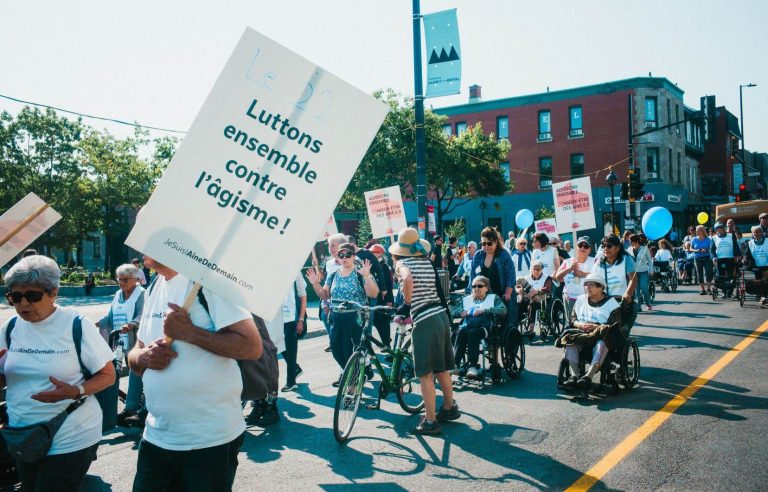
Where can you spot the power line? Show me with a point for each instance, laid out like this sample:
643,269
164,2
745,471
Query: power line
113,120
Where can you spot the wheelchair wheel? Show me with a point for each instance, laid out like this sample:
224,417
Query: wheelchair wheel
630,365
652,291
557,317
674,284
543,324
513,353
714,293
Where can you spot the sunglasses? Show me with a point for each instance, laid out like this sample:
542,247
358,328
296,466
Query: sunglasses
590,284
479,287
30,296
522,244
344,256
583,246
486,243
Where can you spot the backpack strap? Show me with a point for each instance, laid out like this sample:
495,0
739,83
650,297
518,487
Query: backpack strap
203,301
11,326
77,336
152,284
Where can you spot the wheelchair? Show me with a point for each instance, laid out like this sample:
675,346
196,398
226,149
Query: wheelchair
664,274
551,317
729,284
620,367
501,350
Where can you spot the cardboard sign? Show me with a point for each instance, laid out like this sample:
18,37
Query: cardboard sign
547,226
329,229
22,224
385,211
265,161
573,205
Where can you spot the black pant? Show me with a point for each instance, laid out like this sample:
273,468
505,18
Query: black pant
58,472
381,322
211,468
468,342
291,350
344,336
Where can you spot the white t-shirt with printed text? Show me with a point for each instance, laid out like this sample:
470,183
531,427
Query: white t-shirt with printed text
43,349
193,403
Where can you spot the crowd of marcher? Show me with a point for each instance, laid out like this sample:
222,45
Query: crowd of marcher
54,359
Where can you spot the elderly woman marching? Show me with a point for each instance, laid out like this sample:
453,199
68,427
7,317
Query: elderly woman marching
124,315
44,371
432,350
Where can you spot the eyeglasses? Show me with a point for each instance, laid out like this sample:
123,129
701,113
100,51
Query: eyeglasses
479,286
590,284
584,246
30,296
125,280
536,269
344,256
486,243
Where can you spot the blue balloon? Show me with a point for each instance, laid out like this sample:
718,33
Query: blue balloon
524,218
656,223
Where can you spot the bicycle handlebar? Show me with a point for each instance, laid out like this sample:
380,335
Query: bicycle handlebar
354,306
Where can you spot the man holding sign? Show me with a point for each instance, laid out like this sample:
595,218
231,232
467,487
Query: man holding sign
195,425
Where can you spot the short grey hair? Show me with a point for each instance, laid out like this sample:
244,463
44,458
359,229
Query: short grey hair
756,228
127,270
471,243
537,263
35,270
338,238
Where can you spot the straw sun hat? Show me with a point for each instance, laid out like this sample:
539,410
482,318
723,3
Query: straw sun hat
409,244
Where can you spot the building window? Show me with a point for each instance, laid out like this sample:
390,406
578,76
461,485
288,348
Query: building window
505,168
577,128
679,166
461,127
502,128
448,130
669,115
545,172
577,165
677,119
650,112
669,162
545,127
653,163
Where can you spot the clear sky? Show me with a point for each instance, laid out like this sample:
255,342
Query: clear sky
155,61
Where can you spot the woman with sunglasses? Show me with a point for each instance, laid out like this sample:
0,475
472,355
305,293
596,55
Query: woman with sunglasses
545,253
596,313
521,258
573,270
346,284
531,290
477,312
45,378
495,263
618,269
125,315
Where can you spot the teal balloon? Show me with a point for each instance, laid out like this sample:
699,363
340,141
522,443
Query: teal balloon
524,218
656,223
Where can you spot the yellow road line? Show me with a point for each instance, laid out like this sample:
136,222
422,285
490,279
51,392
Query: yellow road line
625,447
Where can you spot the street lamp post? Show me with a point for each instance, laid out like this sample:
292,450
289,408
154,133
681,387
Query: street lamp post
611,180
741,120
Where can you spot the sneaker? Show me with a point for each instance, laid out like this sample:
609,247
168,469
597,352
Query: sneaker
368,373
703,293
289,387
426,428
570,383
257,410
473,372
328,348
299,371
270,416
446,414
584,383
649,307
337,383
122,416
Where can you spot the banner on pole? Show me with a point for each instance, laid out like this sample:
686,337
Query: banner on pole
574,210
264,163
431,222
385,211
21,224
547,226
329,229
441,35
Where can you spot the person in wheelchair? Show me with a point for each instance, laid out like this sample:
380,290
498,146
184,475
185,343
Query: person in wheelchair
727,255
531,291
479,312
595,319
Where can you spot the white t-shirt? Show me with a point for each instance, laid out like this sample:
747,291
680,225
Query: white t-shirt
46,348
547,259
573,284
193,403
663,255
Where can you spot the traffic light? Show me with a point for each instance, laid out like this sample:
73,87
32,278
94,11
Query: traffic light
636,189
742,195
734,147
624,195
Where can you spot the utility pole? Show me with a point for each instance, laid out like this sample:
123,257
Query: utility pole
631,155
421,150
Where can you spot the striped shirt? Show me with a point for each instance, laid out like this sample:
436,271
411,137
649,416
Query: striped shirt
425,301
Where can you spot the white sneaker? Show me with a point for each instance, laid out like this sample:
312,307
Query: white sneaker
472,373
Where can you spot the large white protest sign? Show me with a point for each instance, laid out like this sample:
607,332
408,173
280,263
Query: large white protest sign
385,211
263,166
573,205
22,224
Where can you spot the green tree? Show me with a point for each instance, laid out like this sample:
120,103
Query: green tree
544,212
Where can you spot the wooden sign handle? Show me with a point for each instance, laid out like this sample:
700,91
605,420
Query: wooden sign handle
188,302
24,223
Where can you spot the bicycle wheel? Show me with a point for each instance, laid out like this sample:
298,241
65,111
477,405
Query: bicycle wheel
348,397
630,365
408,387
513,353
557,317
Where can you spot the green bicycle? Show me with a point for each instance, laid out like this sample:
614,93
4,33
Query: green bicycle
401,379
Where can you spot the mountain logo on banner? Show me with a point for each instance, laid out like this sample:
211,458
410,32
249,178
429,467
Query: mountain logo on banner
444,57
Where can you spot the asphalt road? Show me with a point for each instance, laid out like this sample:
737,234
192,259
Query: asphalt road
523,434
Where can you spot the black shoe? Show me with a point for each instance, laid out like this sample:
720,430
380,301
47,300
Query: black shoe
425,428
446,414
584,383
368,373
337,383
299,371
570,383
289,387
257,411
703,293
122,416
328,348
270,415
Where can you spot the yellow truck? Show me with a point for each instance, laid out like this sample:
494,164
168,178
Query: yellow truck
743,213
